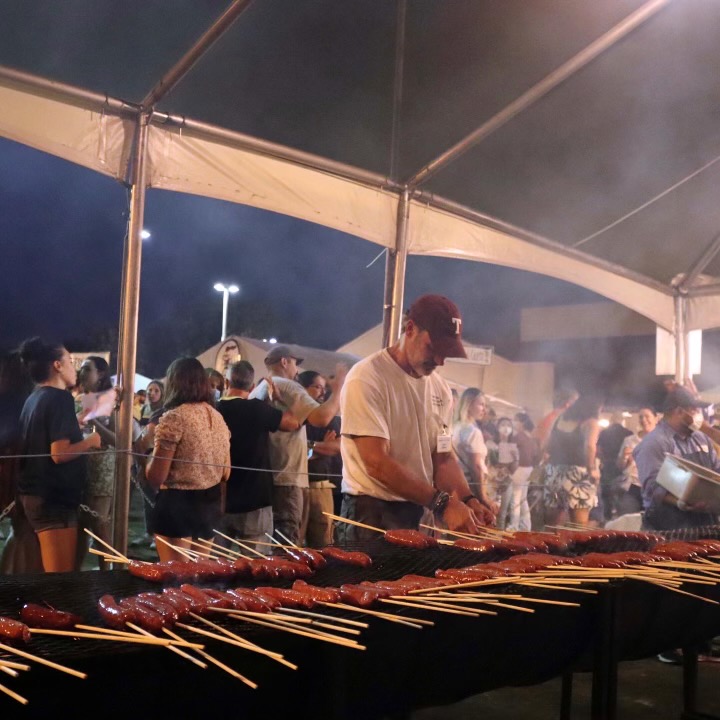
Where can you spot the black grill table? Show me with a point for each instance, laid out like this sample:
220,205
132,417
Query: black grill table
402,669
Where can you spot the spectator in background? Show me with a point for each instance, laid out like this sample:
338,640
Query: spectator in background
504,468
571,472
190,459
217,384
562,400
138,402
248,501
609,443
528,457
96,507
323,445
289,451
628,492
22,551
155,393
51,484
469,444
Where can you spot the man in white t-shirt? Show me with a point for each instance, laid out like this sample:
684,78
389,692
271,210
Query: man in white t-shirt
289,450
396,444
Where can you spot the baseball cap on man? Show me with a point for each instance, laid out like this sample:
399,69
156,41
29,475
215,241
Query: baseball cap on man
682,398
278,353
441,318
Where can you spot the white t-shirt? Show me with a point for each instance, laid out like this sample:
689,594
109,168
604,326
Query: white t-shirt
468,441
379,399
288,450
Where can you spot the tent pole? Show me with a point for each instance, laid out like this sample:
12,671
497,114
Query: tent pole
539,90
127,348
700,264
395,275
176,73
398,87
681,339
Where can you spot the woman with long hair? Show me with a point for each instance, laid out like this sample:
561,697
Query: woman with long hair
469,445
190,459
571,473
96,507
155,394
51,481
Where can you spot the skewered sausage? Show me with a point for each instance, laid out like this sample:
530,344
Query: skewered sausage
410,539
350,558
160,605
476,545
45,617
288,597
144,616
319,594
154,572
14,630
112,614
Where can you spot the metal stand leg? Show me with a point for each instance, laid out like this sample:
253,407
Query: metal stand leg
566,696
604,683
690,680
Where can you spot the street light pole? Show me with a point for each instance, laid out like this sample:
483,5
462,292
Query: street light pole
225,290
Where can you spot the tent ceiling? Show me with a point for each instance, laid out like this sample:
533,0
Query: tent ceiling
318,76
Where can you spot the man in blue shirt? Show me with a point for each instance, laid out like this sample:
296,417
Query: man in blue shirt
675,434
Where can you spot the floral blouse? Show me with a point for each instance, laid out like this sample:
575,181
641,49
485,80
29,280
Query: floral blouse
193,433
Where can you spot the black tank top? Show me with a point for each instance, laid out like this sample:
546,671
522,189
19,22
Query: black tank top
567,448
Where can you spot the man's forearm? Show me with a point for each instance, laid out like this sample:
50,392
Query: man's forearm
448,476
323,415
397,479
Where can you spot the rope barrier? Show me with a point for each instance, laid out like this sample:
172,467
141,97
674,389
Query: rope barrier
173,459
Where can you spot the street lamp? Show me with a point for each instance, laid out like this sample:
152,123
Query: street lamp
225,290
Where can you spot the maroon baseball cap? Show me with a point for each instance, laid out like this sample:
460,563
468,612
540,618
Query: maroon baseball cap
441,318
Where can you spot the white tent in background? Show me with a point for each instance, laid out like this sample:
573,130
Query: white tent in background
141,382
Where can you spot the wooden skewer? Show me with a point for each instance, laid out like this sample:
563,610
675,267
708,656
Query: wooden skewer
353,522
149,640
172,647
272,544
9,671
548,586
415,622
13,695
217,550
107,556
285,538
114,552
674,589
14,665
125,633
423,602
346,621
232,540
429,606
246,643
285,621
277,626
218,663
42,661
188,554
475,583
542,601
247,548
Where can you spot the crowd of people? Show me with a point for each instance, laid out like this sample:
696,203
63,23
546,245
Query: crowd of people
246,458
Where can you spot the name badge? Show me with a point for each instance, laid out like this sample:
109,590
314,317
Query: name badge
444,443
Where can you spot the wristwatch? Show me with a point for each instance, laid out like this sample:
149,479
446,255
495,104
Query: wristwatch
439,502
